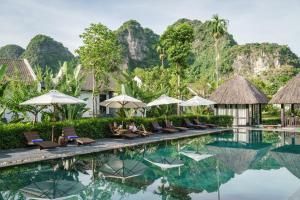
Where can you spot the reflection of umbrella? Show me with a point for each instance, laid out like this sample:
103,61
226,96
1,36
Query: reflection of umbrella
164,100
53,189
195,156
165,162
289,157
123,101
197,101
122,169
53,98
163,159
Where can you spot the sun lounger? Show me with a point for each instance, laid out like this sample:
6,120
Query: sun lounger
179,128
144,132
158,128
208,125
189,124
33,138
122,133
71,135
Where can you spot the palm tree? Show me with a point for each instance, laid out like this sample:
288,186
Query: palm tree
219,29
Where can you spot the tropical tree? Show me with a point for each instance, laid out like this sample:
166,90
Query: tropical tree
219,29
3,85
101,54
177,41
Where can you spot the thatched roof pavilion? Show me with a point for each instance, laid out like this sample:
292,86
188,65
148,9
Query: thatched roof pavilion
288,95
241,99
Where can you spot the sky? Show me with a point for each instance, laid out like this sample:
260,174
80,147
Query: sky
274,21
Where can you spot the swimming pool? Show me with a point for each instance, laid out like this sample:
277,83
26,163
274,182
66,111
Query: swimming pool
235,165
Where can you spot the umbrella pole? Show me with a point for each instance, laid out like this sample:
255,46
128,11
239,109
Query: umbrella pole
53,119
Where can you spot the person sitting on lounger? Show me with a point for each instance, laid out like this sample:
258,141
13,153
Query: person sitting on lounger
116,127
62,141
132,127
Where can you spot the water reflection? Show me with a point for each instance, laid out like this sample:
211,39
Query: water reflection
184,169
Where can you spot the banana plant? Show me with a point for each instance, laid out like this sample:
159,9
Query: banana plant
69,80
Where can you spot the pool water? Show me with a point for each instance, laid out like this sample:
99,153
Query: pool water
229,166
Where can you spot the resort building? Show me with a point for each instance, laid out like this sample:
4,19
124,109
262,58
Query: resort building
240,99
21,69
288,97
104,93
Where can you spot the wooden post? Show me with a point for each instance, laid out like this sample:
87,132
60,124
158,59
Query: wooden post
282,115
237,115
259,114
247,115
217,110
292,108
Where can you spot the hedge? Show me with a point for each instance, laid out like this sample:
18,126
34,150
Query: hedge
11,135
271,121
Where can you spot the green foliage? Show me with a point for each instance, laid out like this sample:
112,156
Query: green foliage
43,51
68,81
11,51
156,81
177,41
203,52
270,81
3,85
139,45
271,120
11,135
17,92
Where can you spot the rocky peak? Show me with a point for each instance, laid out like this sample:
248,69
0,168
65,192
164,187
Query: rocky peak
257,58
139,44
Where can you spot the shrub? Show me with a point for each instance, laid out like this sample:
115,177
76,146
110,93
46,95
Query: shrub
271,121
11,135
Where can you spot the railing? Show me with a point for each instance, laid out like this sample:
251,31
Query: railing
292,121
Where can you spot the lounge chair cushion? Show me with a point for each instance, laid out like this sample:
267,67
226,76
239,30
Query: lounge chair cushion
37,140
72,137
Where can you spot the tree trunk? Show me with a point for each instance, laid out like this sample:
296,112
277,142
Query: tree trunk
93,95
178,88
217,60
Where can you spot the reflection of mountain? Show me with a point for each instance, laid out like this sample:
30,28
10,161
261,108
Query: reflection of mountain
238,156
201,176
289,157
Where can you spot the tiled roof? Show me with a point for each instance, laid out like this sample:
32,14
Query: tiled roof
22,66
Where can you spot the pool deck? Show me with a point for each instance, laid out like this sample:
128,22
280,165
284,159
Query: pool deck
28,155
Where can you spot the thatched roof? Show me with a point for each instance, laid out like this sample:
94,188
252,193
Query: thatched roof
288,94
238,91
20,67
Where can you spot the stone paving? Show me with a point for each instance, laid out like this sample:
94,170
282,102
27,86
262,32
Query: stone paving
29,155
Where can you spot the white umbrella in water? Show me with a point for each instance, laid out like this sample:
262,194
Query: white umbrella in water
123,101
197,101
53,98
164,100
